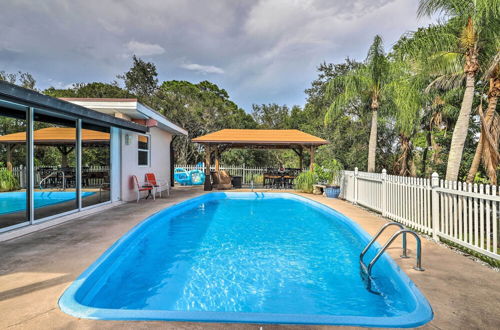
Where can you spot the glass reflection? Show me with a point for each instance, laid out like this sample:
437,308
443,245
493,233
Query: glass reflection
13,178
55,165
96,187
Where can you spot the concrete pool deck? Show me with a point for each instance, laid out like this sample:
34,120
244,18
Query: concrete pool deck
36,269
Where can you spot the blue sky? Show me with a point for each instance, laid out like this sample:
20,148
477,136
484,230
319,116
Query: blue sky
259,51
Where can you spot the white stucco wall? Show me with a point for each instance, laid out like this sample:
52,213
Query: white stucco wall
159,160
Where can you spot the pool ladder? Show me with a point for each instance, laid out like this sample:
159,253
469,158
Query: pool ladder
402,231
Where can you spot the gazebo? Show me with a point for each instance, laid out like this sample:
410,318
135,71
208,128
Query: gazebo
63,138
218,142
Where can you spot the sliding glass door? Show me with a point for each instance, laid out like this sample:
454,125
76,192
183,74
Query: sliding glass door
55,165
13,178
50,165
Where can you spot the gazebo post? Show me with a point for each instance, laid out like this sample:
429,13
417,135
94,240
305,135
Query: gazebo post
301,158
217,159
208,184
311,164
10,147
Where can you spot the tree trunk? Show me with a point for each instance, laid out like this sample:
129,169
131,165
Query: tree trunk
372,145
461,129
492,103
428,137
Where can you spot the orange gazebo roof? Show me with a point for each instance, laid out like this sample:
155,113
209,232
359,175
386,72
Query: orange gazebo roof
57,135
260,137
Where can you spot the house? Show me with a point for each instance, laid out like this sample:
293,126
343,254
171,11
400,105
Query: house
74,155
157,155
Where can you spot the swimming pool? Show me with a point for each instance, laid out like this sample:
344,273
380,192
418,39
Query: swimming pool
245,257
11,202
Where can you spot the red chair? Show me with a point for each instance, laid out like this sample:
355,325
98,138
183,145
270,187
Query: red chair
157,184
143,187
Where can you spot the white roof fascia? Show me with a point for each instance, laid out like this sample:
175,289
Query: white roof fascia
163,122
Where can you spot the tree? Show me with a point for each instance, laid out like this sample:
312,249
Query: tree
487,147
471,25
26,80
141,79
271,116
369,81
92,90
200,108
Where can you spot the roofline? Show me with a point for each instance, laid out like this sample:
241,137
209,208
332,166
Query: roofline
261,142
132,104
98,99
161,119
29,98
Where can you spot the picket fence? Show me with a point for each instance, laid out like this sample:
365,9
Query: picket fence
465,214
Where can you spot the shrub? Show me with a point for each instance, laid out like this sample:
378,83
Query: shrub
257,178
305,181
334,168
8,181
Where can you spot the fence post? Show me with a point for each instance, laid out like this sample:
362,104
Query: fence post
435,206
355,201
384,192
243,176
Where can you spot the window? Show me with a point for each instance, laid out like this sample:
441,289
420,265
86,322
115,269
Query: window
143,150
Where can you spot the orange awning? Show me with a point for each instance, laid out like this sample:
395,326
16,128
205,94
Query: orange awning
57,135
260,137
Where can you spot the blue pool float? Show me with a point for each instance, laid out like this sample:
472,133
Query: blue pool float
197,177
182,176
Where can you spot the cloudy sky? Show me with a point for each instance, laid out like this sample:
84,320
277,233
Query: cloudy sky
259,51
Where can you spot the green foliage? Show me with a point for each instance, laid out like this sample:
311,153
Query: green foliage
272,116
334,169
258,179
141,79
23,79
304,181
91,90
8,181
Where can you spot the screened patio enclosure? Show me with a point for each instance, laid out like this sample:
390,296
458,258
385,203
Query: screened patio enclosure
56,158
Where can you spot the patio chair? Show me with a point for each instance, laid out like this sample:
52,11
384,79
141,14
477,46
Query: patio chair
157,184
142,187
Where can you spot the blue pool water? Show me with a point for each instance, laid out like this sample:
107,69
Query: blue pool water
245,257
11,202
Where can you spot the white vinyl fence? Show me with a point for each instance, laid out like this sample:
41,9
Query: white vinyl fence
466,214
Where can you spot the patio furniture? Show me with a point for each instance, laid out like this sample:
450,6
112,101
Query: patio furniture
157,184
221,180
142,187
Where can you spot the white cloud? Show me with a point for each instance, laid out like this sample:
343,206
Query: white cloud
203,68
144,49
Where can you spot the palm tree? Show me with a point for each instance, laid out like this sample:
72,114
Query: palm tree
487,147
368,82
471,25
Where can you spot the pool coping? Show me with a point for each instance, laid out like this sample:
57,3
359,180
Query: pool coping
67,302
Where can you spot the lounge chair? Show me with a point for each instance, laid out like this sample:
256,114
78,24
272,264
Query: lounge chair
221,180
142,187
158,185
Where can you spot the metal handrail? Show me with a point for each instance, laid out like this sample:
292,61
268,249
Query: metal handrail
418,265
50,175
367,247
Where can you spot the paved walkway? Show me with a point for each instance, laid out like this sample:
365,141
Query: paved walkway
36,269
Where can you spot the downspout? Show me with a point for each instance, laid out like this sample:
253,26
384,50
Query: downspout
172,159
